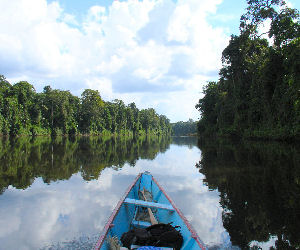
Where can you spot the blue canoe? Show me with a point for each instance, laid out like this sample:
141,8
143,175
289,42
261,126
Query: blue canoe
124,216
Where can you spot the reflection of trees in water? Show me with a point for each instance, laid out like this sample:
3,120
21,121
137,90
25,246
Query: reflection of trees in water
260,190
189,141
23,159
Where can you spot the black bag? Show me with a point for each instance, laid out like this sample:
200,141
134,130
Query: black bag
160,235
165,235
137,236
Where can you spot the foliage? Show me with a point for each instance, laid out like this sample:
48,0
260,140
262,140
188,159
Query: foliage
57,112
258,93
184,128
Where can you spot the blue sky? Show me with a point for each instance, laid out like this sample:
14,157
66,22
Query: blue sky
156,53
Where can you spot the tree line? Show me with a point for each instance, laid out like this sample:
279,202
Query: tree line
258,92
184,128
23,111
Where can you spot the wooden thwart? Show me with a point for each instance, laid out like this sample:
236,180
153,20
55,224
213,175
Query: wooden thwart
149,204
141,224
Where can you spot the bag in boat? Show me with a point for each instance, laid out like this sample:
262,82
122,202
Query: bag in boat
160,235
137,236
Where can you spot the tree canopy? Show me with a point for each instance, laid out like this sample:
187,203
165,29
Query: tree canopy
184,128
258,92
57,112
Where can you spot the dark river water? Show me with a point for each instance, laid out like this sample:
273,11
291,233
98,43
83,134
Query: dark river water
58,194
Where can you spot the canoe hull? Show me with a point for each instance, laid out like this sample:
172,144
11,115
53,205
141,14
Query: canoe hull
123,217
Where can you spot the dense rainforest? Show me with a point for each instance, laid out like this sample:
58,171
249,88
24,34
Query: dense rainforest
57,112
258,92
184,128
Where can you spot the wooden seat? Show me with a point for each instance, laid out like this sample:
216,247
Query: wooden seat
140,223
133,247
149,204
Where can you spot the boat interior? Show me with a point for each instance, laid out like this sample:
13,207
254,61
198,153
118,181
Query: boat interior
144,205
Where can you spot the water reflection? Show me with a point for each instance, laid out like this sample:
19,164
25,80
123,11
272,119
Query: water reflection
189,141
23,159
259,185
59,194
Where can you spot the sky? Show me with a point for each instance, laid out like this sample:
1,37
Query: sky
156,53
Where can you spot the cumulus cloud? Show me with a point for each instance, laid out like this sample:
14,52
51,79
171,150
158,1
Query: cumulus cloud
127,49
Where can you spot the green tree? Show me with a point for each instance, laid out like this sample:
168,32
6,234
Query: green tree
257,94
207,107
57,112
91,109
60,109
4,89
184,128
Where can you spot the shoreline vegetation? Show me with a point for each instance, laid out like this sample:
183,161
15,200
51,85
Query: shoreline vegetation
188,128
258,93
23,112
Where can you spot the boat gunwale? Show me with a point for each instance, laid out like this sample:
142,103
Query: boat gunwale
108,224
186,222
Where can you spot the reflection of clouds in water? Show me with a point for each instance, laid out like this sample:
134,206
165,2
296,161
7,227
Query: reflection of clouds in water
265,245
9,218
103,183
66,210
176,172
43,209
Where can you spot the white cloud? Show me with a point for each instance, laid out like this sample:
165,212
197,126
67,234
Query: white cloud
179,24
96,13
103,85
70,19
133,48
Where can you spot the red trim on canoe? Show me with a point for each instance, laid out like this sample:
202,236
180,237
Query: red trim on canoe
113,215
189,226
